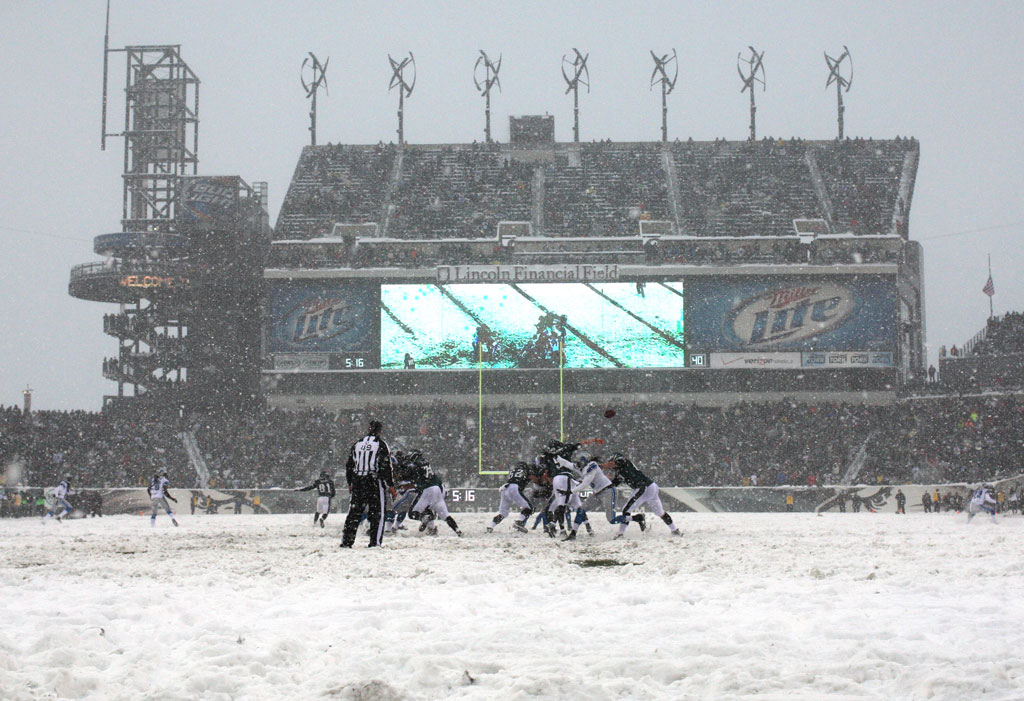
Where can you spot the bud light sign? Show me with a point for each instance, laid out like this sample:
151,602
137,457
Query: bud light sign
208,199
789,313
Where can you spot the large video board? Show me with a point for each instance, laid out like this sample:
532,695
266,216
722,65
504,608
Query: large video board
580,325
715,322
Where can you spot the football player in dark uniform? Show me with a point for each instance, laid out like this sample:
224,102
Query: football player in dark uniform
430,506
404,499
645,491
565,481
325,491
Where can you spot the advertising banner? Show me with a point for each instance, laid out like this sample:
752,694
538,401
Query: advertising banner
757,361
227,502
208,200
791,313
324,324
839,359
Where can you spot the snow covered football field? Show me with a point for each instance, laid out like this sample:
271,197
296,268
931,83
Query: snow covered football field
784,606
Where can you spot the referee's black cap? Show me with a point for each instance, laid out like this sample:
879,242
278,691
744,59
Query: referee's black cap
376,426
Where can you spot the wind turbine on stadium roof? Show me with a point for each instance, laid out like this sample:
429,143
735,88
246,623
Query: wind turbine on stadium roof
754,66
404,88
580,74
318,78
836,76
490,79
660,75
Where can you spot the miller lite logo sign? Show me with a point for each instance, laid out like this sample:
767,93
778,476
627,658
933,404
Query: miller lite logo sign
320,318
788,315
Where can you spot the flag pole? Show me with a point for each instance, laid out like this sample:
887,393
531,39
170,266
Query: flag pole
561,390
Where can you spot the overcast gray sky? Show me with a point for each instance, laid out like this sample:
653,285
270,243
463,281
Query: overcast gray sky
945,72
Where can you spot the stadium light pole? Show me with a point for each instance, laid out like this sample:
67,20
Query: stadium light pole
660,75
404,86
318,78
580,75
836,76
490,79
754,74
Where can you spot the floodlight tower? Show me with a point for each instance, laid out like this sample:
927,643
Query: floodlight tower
753,75
490,79
404,86
835,75
317,79
660,75
580,75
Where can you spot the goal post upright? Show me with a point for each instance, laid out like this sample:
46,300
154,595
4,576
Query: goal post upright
561,390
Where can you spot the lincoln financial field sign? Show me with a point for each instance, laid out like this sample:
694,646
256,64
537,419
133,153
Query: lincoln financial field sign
527,273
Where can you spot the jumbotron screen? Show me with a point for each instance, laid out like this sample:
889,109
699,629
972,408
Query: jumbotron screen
776,321
577,325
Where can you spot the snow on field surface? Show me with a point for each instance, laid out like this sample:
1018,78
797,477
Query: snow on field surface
852,606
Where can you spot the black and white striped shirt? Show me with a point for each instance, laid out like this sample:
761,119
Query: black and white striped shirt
369,457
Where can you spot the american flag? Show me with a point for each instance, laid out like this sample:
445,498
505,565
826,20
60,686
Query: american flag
989,288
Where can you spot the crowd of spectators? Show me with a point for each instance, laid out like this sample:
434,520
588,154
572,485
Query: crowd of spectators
719,188
119,447
605,189
335,183
951,439
931,439
862,177
450,192
747,188
1003,335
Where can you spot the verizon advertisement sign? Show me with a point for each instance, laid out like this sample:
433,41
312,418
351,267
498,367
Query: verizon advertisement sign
755,361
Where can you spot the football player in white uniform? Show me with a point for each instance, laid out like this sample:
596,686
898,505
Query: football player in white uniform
982,500
158,496
512,494
60,498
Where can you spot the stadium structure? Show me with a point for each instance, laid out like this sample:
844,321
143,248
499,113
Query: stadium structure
185,269
527,273
536,270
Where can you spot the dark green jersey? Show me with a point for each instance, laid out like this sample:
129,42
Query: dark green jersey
424,477
626,472
519,476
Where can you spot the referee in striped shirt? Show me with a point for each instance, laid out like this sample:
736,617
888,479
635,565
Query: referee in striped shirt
368,473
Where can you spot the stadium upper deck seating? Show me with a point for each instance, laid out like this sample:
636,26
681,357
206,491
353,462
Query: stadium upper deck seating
709,189
602,189
445,192
862,178
743,189
335,183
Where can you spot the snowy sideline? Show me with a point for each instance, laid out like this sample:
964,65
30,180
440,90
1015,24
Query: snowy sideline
854,606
